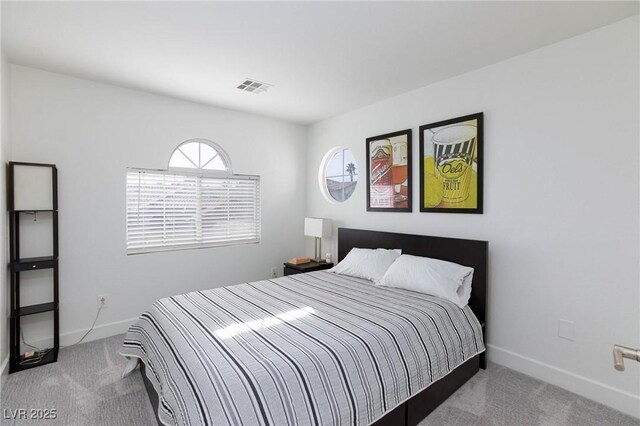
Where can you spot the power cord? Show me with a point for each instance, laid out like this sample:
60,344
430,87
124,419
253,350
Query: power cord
36,358
27,344
88,331
40,353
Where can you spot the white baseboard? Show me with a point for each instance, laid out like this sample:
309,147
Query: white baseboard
618,399
4,370
99,332
4,367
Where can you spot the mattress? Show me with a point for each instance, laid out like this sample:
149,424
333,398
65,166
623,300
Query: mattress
306,349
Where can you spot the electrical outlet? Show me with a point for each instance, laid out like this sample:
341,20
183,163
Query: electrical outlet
274,272
565,329
102,301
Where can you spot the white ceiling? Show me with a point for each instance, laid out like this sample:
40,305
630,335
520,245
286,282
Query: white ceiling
324,58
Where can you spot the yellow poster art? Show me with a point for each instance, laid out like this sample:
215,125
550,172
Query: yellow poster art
451,165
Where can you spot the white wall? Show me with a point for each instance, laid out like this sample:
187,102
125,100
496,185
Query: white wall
92,132
561,201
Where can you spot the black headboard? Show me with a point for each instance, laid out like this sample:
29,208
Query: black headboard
465,252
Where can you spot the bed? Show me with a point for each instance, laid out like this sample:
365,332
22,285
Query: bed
316,348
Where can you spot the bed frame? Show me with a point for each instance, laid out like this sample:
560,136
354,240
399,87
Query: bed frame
465,252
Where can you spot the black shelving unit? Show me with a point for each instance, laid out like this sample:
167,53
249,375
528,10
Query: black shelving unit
19,265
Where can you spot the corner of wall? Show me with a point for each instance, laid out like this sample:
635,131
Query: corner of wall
5,153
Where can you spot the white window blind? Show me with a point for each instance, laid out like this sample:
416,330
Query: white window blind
168,210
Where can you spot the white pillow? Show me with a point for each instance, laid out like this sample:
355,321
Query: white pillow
370,264
447,280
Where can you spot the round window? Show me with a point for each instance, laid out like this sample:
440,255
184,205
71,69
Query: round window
338,175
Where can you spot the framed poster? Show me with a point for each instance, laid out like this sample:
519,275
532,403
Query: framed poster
389,172
451,164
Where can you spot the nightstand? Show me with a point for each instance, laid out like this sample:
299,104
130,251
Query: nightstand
291,269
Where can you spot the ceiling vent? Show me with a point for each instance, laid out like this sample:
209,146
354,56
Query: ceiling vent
254,86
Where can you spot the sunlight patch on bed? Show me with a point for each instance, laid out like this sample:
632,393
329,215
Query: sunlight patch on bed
242,327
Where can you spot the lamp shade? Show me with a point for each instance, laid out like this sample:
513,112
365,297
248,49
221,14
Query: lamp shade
33,187
317,227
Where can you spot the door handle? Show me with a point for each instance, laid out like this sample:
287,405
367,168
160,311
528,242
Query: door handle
622,352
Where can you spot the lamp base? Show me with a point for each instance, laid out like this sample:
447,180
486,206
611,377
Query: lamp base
318,255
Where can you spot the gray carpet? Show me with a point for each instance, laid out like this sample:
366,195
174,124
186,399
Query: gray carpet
85,388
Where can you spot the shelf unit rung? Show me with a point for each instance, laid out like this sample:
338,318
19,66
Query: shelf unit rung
33,211
35,309
33,263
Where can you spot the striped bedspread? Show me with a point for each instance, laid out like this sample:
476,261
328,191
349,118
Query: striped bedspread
307,349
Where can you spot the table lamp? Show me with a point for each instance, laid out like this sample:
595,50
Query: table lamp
317,227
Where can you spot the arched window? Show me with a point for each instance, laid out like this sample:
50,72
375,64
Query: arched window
196,203
200,154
